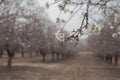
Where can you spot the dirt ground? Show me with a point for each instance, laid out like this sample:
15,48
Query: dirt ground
85,66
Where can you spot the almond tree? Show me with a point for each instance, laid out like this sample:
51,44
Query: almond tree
17,26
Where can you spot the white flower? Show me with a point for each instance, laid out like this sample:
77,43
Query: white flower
60,36
94,29
114,35
119,33
111,27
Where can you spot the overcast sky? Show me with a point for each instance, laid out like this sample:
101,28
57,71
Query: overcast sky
53,13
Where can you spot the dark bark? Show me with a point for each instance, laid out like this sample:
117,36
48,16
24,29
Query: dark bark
116,60
37,53
43,53
43,57
58,56
1,53
108,58
111,59
53,56
30,54
9,65
10,57
22,53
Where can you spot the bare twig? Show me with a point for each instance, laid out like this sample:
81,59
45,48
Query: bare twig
72,16
55,2
85,18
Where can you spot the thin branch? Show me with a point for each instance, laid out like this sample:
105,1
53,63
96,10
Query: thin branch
85,17
72,16
83,21
77,3
55,2
87,13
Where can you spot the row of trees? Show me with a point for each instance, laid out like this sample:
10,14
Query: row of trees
26,28
105,46
106,43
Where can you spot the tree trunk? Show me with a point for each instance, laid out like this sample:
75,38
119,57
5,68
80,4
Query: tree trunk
10,57
43,57
111,60
53,56
106,58
1,53
62,56
116,59
9,64
30,54
22,53
58,56
37,53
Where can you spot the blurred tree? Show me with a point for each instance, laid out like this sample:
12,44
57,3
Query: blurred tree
89,9
22,27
